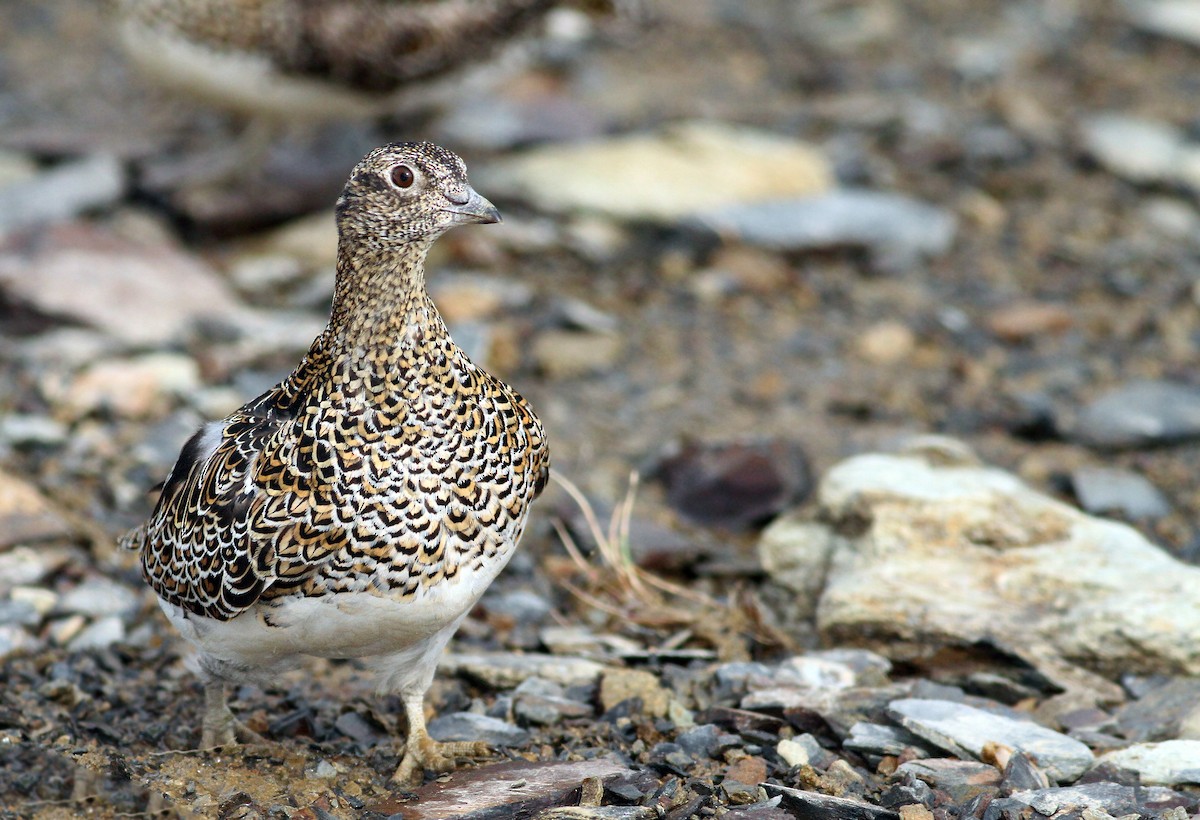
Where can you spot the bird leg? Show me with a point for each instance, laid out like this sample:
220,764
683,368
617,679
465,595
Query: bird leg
422,753
220,727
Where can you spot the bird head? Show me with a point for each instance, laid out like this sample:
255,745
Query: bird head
409,192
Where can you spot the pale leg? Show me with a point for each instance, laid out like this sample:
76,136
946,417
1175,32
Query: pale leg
422,753
220,727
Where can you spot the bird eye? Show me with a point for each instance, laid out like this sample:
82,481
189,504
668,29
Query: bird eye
402,176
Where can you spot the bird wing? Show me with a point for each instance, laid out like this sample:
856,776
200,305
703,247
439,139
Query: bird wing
380,45
243,513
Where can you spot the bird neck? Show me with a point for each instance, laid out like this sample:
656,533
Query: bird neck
379,300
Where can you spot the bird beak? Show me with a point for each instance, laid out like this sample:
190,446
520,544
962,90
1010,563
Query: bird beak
474,211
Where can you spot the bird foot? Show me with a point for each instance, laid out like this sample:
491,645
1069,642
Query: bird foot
426,754
226,730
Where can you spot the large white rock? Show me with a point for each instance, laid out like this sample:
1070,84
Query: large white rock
682,171
912,552
1169,763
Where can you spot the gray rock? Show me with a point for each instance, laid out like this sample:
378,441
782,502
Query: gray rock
965,730
598,813
1103,490
471,726
1178,19
706,740
1169,763
1163,712
521,605
1139,414
97,597
961,779
891,226
18,613
544,703
26,516
61,192
876,738
1141,150
504,670
99,635
915,552
1113,798
14,638
816,805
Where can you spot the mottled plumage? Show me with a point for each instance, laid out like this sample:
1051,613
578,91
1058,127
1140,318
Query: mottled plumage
360,507
320,58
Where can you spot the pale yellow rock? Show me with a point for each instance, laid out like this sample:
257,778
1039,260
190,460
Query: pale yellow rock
886,343
688,168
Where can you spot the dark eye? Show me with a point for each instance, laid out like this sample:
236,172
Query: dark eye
402,176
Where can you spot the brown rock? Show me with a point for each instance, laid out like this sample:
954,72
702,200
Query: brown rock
619,685
26,515
1023,321
886,343
748,770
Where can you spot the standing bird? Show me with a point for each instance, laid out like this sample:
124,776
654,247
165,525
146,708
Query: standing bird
362,506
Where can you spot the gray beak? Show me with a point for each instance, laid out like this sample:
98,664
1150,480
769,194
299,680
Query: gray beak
474,211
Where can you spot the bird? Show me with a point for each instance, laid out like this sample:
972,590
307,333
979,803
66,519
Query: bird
321,59
360,507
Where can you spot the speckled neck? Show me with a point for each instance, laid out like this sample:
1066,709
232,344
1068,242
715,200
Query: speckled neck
379,299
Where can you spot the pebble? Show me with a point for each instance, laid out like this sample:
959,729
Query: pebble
896,229
1168,763
14,638
1105,490
505,670
1179,19
962,780
465,297
471,726
1140,414
886,343
40,599
102,280
544,703
736,484
1116,800
61,192
99,634
965,730
135,388
880,739
816,805
22,566
26,516
619,685
662,177
1141,150
566,354
18,613
1163,712
24,430
523,606
706,740
98,597
1026,321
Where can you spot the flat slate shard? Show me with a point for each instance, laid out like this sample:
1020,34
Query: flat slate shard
806,805
516,789
964,730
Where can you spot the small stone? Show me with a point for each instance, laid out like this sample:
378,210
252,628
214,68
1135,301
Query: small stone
1022,774
101,280
470,726
565,354
1139,414
18,613
748,770
894,228
1179,19
814,804
98,597
13,639
132,388
544,703
99,635
23,566
1025,321
23,430
914,812
324,770
26,516
1104,490
503,670
960,779
735,484
61,192
523,606
886,343
618,685
1140,150
874,738
467,297
707,740
965,730
1161,712
1169,763
357,728
41,600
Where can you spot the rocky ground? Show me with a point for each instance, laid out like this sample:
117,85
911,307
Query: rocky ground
753,256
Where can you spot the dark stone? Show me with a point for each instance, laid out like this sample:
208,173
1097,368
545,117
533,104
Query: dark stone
470,726
1022,774
962,780
807,805
910,790
1140,414
736,485
706,740
1158,713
